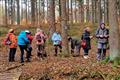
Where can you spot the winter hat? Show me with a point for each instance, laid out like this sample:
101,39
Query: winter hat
102,24
27,31
39,30
11,31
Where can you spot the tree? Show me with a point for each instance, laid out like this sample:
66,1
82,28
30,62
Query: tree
64,26
93,11
71,13
18,12
114,32
99,11
51,16
33,11
81,12
68,4
6,12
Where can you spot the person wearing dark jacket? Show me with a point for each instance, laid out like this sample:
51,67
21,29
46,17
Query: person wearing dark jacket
75,46
86,37
102,35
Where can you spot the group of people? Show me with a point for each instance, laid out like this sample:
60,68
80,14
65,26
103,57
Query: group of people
24,41
102,36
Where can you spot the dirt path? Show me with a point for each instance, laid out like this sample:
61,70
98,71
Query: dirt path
10,75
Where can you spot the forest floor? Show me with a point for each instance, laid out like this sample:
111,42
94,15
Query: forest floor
57,68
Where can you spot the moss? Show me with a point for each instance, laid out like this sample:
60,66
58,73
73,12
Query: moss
106,60
116,61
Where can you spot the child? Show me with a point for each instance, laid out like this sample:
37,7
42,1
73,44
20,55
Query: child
11,41
86,42
57,42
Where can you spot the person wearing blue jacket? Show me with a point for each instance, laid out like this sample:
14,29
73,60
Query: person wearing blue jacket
23,42
57,42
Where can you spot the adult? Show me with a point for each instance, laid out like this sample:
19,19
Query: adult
75,46
102,35
57,41
11,41
86,42
40,39
23,43
30,38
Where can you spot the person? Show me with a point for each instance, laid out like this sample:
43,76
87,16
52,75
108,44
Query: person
102,35
40,39
30,38
57,42
11,41
86,42
75,46
23,43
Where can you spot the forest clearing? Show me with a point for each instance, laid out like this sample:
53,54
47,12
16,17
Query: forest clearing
59,39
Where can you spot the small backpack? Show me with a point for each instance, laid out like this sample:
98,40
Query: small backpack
7,41
83,42
39,38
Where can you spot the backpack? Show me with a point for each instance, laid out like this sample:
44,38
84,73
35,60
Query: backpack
7,41
83,42
39,38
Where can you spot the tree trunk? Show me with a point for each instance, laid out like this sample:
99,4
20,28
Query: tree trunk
64,27
51,16
114,31
93,11
43,11
59,8
12,17
6,15
88,12
71,13
67,9
18,12
96,20
99,12
26,11
33,11
75,11
81,16
106,12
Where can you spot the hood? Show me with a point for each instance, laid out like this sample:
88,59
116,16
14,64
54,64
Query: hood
23,33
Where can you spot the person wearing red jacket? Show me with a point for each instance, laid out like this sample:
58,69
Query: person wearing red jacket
30,38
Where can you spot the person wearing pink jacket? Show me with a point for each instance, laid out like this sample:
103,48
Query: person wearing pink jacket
40,39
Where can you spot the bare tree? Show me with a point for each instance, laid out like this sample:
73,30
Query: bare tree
18,12
51,16
33,11
64,26
114,32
